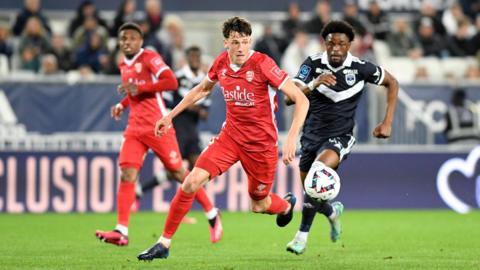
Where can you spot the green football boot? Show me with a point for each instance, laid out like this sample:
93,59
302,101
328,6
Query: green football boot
296,246
335,225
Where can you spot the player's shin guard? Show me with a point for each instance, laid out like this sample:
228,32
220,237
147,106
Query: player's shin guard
181,204
308,213
125,199
278,205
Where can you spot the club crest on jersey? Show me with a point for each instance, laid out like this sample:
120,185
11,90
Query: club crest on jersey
223,72
138,67
350,79
250,75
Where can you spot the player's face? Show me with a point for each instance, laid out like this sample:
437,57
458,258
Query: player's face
194,60
238,47
130,42
337,48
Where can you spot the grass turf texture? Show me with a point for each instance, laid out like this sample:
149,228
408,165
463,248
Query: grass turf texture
371,240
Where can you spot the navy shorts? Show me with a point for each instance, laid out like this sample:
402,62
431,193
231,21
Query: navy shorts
189,145
342,145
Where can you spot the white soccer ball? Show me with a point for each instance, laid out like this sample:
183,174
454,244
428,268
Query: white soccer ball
322,182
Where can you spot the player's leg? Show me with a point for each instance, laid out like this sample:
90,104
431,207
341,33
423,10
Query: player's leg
192,152
216,158
332,211
163,176
179,207
309,209
169,153
260,168
131,159
336,150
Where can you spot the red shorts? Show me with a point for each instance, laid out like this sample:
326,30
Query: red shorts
135,147
260,167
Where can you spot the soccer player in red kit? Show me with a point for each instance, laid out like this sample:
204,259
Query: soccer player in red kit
249,134
144,77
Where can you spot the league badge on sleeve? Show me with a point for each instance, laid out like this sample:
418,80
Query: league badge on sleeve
304,72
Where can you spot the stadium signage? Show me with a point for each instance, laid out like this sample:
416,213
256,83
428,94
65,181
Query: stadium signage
465,167
87,182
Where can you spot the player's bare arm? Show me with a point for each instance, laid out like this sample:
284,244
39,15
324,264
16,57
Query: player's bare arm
200,91
302,104
325,79
384,129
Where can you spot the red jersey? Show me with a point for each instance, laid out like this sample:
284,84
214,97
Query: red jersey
250,119
147,106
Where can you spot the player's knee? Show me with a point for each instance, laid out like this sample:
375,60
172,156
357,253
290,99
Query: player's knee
128,175
191,185
259,208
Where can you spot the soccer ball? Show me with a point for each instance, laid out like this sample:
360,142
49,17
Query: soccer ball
322,182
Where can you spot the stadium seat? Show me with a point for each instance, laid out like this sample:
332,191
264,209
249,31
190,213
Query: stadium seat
403,68
3,65
381,51
454,66
433,66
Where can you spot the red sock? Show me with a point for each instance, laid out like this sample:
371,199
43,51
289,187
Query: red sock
125,198
181,203
203,200
278,205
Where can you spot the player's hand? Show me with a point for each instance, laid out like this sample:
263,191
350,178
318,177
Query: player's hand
127,88
325,79
382,131
162,125
289,149
116,111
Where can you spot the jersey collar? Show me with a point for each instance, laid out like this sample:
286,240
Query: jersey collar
129,62
346,63
237,67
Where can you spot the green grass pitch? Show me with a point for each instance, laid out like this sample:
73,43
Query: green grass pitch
371,240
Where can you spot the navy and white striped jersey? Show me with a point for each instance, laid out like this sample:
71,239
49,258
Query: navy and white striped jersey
332,109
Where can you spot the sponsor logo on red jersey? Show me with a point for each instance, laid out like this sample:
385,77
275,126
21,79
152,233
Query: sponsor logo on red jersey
240,97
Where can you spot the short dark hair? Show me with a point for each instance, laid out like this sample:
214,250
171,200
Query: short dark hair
236,24
340,27
130,26
193,48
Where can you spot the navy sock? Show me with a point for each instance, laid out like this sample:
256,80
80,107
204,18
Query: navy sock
308,213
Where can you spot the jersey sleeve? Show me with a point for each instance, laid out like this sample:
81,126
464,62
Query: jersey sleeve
373,73
156,65
275,76
305,73
212,72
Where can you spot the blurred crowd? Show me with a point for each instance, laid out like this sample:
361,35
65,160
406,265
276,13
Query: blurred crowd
451,33
89,44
